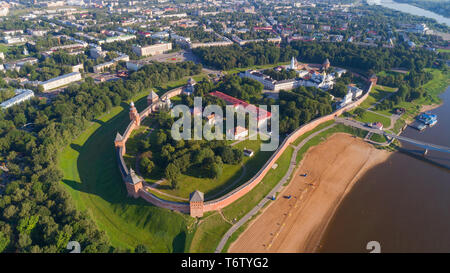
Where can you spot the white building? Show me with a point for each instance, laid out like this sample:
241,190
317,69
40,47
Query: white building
96,52
355,91
346,100
101,67
21,96
4,9
77,68
120,38
152,49
134,65
61,81
14,40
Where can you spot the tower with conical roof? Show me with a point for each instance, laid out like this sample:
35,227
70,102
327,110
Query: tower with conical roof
196,200
326,64
134,115
133,183
152,98
120,143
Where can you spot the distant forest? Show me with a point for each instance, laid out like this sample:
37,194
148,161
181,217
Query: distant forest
342,54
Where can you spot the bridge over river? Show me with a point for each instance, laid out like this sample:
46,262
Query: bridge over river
425,145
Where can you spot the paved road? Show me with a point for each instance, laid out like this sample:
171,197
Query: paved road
421,144
276,189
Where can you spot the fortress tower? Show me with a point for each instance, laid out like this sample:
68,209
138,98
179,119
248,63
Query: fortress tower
152,98
373,79
133,184
134,115
326,64
196,204
119,142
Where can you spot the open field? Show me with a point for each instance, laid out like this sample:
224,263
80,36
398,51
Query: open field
3,48
370,117
296,224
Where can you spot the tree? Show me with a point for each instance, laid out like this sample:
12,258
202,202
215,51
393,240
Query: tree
140,249
359,112
4,241
216,170
172,172
146,165
227,154
161,138
174,184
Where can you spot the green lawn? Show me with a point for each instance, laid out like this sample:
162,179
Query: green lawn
92,178
377,93
305,135
378,138
174,84
3,48
372,117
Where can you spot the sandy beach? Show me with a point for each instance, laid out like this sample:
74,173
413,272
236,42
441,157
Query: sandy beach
297,224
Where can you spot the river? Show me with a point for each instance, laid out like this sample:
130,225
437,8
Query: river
411,10
403,203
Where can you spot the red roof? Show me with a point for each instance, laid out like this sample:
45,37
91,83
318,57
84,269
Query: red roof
262,114
239,129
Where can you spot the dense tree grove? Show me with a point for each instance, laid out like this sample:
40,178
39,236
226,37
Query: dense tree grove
413,79
281,75
240,87
36,214
409,87
301,105
364,58
199,158
227,57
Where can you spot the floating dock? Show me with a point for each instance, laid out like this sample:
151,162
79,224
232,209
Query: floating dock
423,120
418,125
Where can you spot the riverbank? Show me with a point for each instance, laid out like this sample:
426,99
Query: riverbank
297,224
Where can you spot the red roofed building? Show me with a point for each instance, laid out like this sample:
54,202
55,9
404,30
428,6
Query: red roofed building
240,132
261,114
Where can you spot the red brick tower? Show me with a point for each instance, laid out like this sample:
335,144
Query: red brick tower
133,184
373,79
196,204
152,98
119,142
134,115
